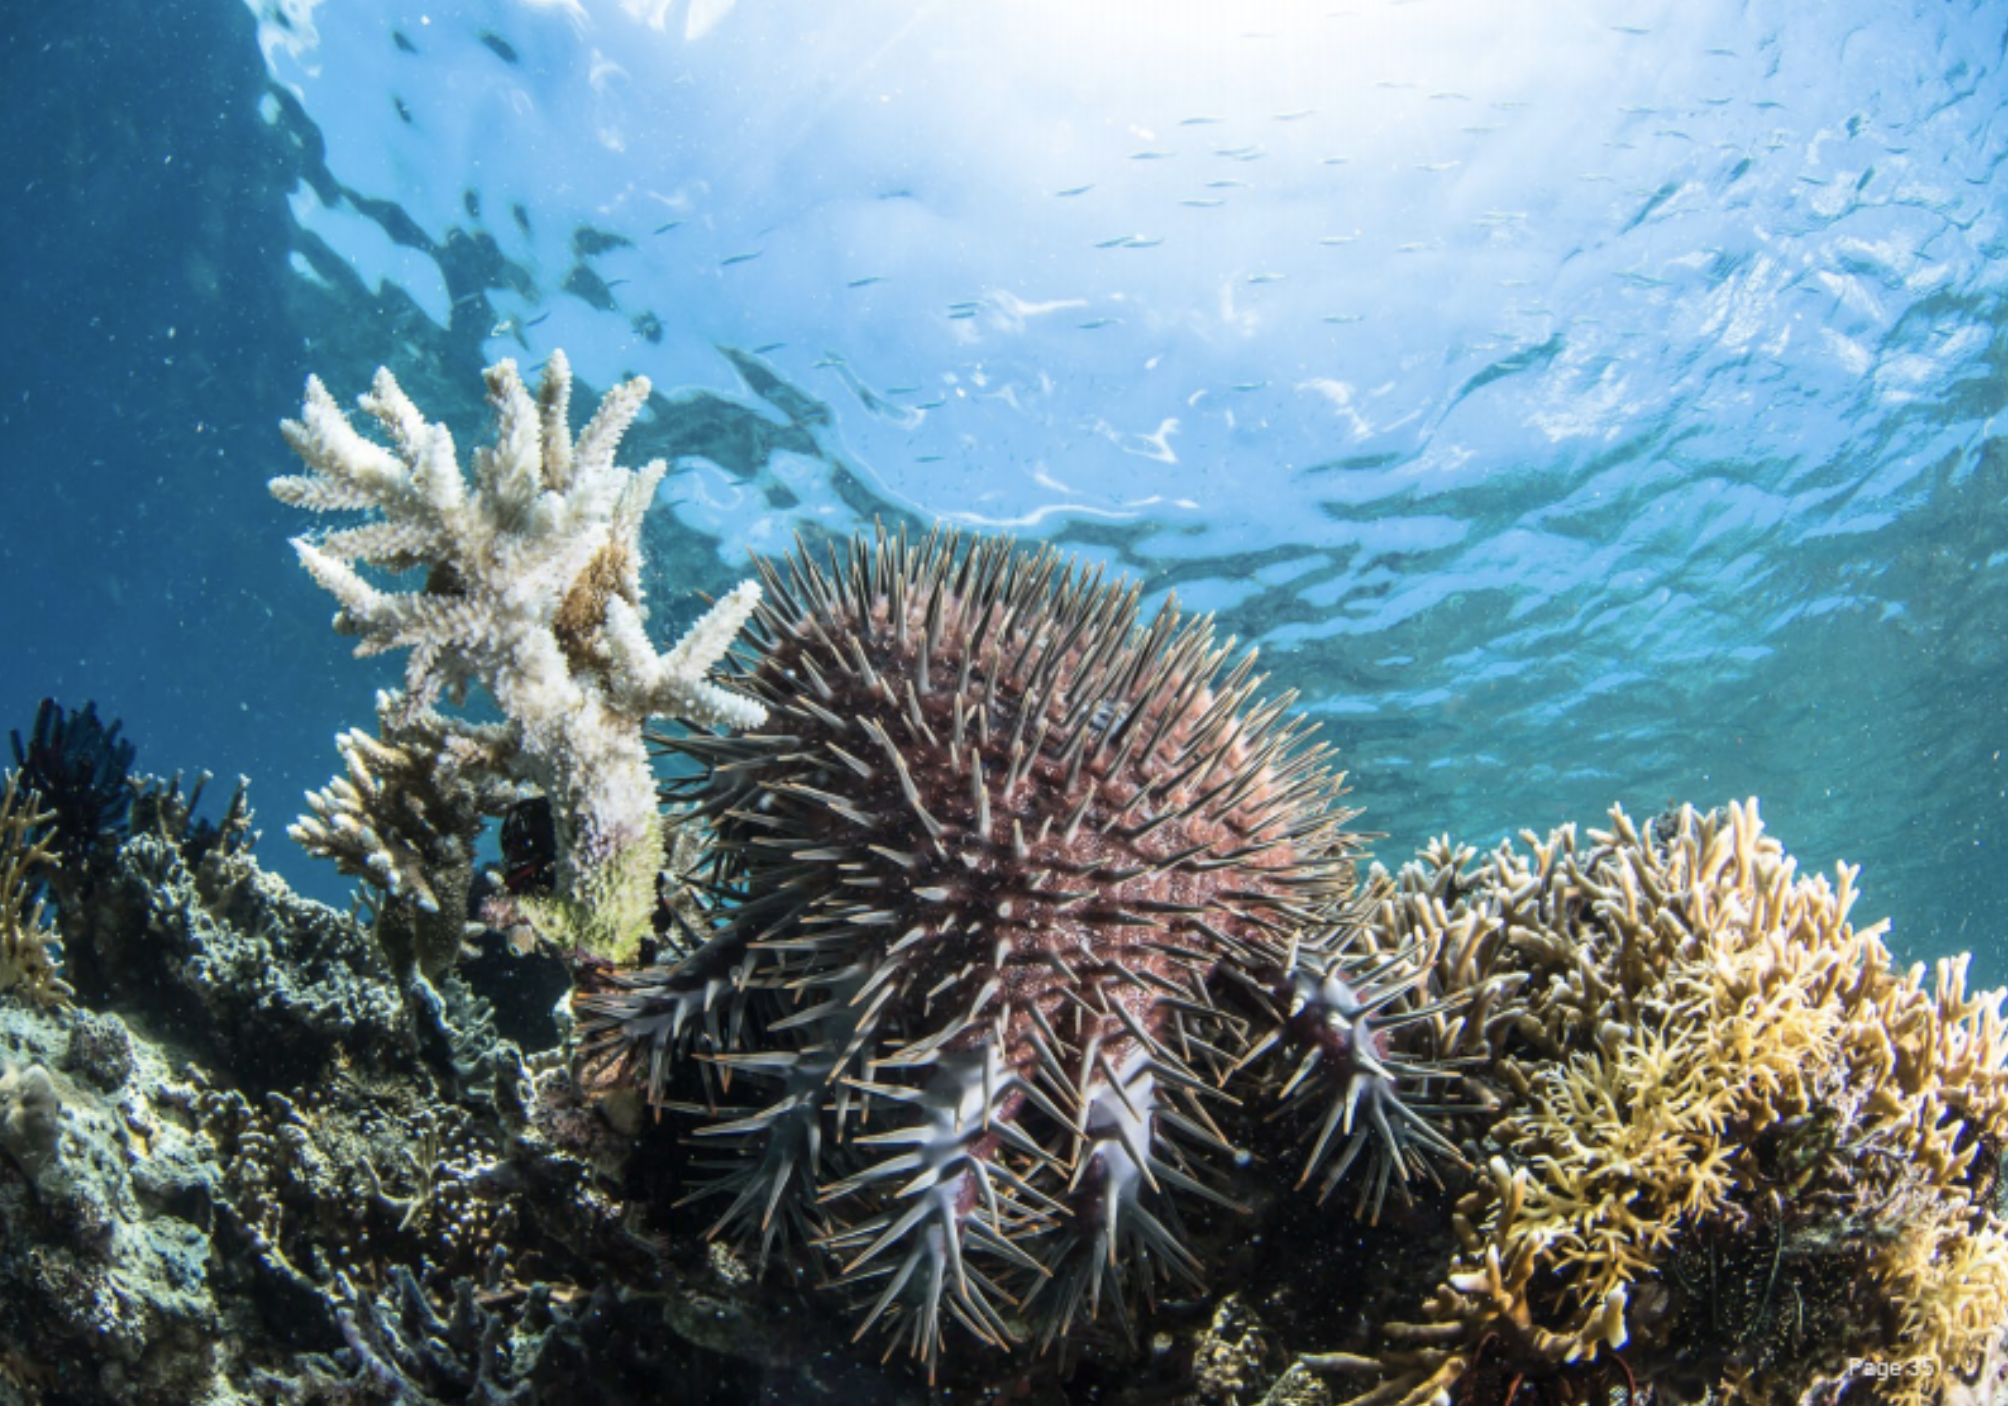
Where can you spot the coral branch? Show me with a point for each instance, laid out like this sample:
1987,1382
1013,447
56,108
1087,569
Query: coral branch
531,591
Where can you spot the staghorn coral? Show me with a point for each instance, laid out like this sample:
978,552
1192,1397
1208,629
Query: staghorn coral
161,809
531,591
28,965
1009,886
406,818
1717,1091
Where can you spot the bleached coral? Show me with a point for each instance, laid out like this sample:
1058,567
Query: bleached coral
531,591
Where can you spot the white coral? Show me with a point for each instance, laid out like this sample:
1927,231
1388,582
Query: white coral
532,591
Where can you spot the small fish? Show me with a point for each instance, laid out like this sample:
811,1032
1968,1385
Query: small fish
960,314
1296,116
1241,153
1094,323
1203,204
867,281
1144,241
1334,160
1075,190
1227,185
1332,239
768,349
732,259
665,229
1197,121
1266,277
1152,155
1251,385
1342,317
928,459
1118,242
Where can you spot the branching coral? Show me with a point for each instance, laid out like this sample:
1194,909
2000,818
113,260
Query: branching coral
1706,1053
406,818
28,967
531,591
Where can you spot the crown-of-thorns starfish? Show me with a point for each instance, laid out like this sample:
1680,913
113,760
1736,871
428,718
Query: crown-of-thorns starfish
1013,896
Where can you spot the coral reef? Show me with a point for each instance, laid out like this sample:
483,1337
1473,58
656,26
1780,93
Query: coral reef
28,964
1738,1154
252,1185
1010,888
104,1270
532,592
1013,989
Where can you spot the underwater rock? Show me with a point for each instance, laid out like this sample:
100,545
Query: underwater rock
1238,1357
104,1251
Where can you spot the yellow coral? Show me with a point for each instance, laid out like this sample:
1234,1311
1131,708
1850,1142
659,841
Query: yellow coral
28,966
1948,1280
1700,1044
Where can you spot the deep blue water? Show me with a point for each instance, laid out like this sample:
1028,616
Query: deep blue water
1576,402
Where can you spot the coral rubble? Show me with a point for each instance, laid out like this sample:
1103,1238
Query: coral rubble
532,592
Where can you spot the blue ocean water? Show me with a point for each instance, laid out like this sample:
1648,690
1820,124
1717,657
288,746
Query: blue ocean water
1576,402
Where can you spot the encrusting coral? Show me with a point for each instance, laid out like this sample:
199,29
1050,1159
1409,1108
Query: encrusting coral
1739,1152
531,590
